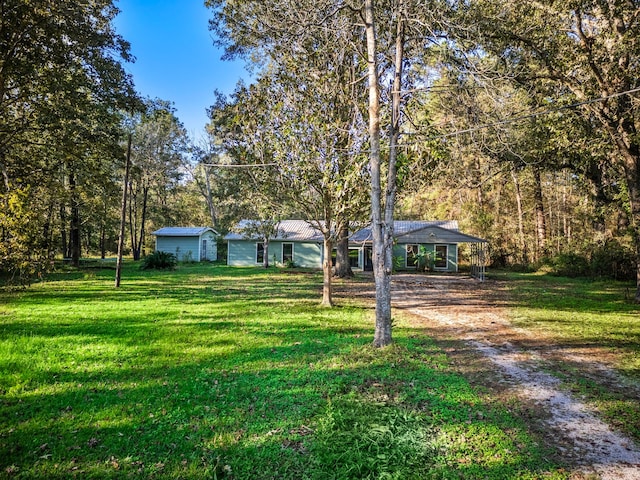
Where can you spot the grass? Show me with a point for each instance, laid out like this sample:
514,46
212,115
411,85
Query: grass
214,372
595,318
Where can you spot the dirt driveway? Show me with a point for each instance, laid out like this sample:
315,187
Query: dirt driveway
470,319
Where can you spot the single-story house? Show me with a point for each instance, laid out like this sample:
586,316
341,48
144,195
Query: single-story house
188,243
300,242
440,239
296,241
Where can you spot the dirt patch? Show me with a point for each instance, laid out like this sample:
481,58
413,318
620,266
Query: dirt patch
470,320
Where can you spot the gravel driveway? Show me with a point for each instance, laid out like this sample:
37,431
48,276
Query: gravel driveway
463,310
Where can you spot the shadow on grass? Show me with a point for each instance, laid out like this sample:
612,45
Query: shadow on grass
275,414
215,373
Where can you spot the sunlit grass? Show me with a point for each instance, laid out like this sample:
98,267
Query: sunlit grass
215,372
593,318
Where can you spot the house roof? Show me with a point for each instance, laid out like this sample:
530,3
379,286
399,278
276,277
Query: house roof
288,230
182,231
436,231
405,231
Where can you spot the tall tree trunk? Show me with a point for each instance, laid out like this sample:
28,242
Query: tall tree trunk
123,214
64,244
327,273
632,175
209,199
74,228
521,237
133,219
103,231
381,273
343,267
143,219
541,224
47,235
265,253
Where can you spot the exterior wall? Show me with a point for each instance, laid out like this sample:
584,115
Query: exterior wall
180,247
400,251
307,255
242,253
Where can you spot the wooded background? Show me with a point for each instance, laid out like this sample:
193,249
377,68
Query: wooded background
517,119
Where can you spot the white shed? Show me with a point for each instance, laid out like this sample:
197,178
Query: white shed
188,243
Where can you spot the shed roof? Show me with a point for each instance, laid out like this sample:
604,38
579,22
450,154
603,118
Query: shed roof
182,231
288,230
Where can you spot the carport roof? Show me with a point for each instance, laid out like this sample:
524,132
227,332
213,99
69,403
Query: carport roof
182,231
438,231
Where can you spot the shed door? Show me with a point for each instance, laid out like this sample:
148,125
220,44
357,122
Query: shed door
203,250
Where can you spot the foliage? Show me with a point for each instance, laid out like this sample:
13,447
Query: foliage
23,254
568,265
608,259
159,260
159,144
63,89
203,378
424,259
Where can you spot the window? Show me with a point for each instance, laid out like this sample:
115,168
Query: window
260,252
441,257
412,253
287,252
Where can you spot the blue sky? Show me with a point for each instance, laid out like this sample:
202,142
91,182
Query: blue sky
175,56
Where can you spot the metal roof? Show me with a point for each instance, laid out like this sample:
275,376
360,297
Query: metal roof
182,231
414,231
405,231
288,230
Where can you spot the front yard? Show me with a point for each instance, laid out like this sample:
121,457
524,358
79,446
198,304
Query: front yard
215,372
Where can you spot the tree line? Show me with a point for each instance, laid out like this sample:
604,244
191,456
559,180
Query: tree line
519,120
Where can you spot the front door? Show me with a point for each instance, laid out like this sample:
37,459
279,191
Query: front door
368,259
441,257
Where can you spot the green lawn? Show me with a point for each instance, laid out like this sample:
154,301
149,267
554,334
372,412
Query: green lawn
215,372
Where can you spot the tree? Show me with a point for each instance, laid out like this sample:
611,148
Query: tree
159,144
279,30
61,87
583,49
262,230
312,133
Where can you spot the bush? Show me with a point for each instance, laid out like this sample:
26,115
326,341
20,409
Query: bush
614,260
609,259
159,261
568,265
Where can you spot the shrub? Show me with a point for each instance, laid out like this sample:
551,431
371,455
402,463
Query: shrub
159,261
608,259
614,260
569,265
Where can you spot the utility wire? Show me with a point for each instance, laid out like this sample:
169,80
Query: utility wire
238,165
500,123
519,118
